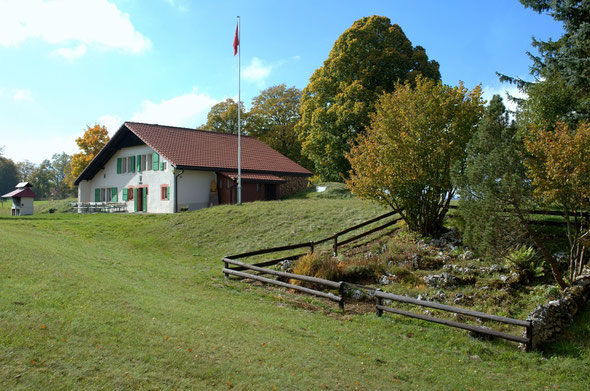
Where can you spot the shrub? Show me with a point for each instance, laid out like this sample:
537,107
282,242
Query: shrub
524,261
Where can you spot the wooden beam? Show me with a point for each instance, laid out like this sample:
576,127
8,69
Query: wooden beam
449,308
315,280
477,329
325,295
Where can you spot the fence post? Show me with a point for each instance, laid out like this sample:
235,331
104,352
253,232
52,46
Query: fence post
529,335
311,244
335,246
341,293
379,302
227,267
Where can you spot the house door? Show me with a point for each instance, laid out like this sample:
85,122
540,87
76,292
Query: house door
140,199
270,192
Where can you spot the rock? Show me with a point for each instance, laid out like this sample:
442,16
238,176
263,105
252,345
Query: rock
384,280
287,264
443,280
459,298
357,294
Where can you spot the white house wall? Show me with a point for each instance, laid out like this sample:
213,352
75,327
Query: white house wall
194,188
108,178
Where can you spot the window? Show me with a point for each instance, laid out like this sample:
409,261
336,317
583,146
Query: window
131,164
227,184
162,166
103,196
148,162
164,192
124,165
258,187
143,162
220,184
130,194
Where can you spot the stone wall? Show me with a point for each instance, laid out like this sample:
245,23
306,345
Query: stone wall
550,319
293,185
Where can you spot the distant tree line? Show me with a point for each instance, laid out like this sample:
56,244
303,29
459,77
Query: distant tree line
47,178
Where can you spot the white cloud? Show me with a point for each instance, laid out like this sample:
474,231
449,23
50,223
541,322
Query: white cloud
90,22
504,92
257,71
111,122
22,95
70,53
189,110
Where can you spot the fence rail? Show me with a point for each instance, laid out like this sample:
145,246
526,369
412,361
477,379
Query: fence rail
380,296
320,281
558,213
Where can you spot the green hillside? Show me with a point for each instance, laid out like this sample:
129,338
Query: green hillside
139,302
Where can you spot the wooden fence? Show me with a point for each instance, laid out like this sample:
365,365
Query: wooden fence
585,216
233,267
526,340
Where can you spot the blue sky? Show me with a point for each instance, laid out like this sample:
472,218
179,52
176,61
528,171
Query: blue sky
65,64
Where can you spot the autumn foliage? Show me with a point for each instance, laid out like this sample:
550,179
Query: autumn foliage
405,158
91,142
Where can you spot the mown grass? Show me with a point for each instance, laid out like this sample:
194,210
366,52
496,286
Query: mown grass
139,302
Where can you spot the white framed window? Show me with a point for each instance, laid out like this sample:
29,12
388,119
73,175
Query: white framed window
143,162
103,195
148,161
123,165
130,167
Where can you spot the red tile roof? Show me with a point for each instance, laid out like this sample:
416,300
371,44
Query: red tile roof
202,149
26,192
247,177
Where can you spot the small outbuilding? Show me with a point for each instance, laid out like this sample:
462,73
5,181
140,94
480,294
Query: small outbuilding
22,199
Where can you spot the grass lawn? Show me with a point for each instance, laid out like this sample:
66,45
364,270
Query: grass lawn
139,302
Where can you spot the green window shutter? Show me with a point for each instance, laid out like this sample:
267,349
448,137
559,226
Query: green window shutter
119,165
168,193
125,194
135,199
132,163
144,201
155,161
162,166
138,163
96,195
114,197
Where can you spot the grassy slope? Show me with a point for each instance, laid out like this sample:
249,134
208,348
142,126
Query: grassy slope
138,302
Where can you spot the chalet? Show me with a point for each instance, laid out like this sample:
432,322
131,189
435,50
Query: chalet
165,169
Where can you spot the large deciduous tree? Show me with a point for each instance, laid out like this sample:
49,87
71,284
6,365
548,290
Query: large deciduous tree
272,119
223,117
405,158
367,60
91,142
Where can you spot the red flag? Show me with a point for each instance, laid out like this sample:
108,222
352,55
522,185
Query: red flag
236,42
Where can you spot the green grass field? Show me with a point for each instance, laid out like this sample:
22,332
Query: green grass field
139,302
